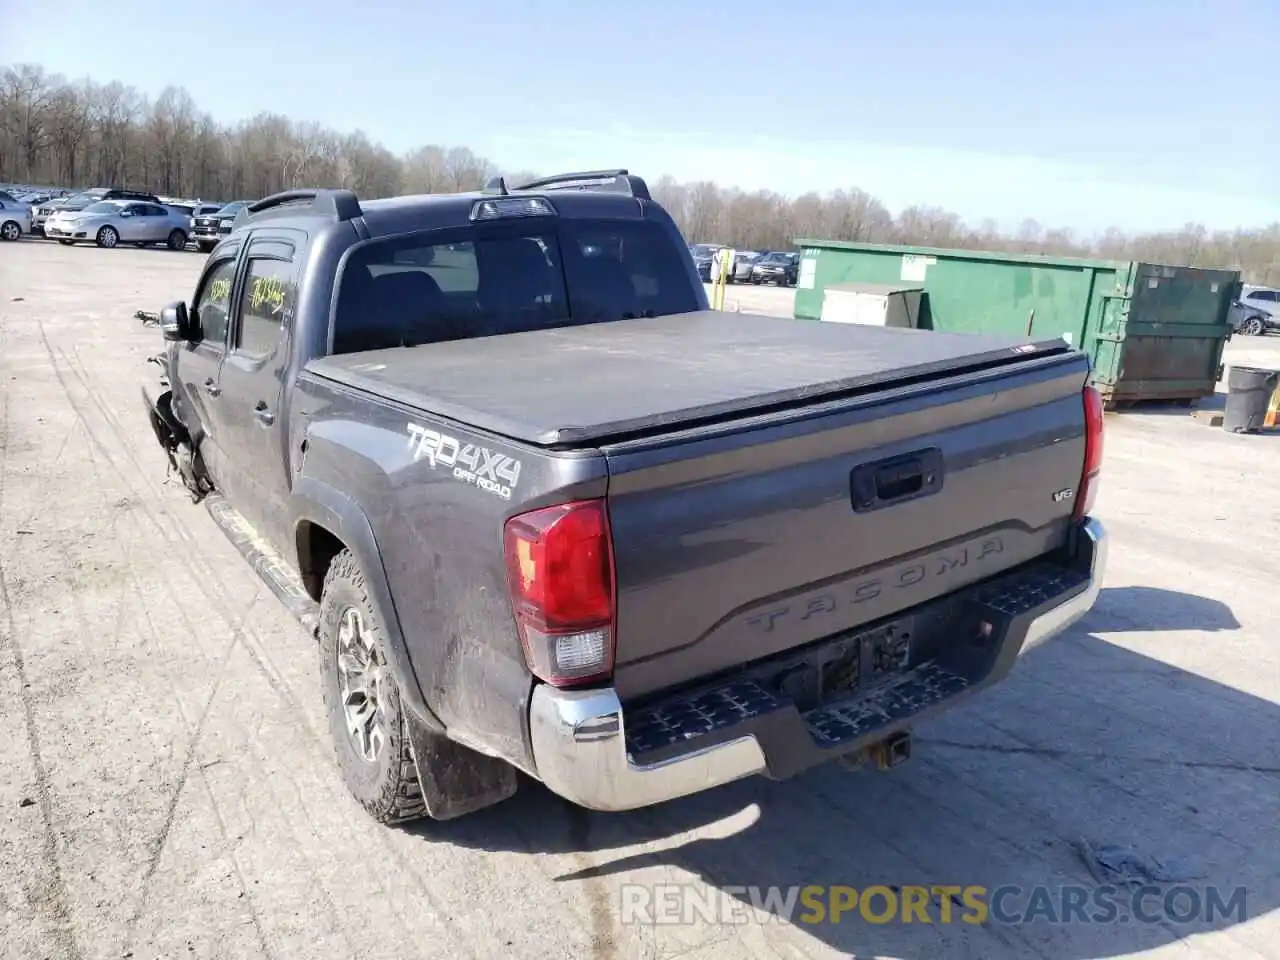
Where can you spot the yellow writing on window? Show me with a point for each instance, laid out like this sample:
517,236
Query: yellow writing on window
219,290
268,292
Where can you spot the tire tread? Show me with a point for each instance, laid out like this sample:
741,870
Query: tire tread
399,799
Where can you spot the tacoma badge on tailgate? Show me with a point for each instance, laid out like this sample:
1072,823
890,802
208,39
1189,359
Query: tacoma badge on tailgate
840,596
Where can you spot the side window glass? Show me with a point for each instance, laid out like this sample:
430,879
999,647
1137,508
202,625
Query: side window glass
265,303
213,301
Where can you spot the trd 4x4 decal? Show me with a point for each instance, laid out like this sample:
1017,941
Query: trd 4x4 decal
493,472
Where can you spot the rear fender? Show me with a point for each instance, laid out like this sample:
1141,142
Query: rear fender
326,506
455,779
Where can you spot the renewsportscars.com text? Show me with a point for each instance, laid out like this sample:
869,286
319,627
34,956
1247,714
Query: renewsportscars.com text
934,904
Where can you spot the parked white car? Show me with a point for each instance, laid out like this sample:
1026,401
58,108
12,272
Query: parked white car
15,217
113,222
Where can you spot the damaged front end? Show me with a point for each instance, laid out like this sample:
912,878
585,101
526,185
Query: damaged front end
173,437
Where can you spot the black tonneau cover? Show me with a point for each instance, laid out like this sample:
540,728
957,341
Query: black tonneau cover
579,385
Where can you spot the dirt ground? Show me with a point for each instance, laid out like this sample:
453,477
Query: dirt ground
167,788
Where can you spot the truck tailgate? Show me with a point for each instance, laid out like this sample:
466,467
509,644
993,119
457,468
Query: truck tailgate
739,540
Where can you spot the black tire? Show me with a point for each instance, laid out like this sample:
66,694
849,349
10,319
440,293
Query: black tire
108,238
10,231
177,240
386,786
67,243
204,246
1253,327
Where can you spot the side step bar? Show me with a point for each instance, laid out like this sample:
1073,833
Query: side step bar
275,572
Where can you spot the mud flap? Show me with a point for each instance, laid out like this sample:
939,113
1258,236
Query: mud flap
457,780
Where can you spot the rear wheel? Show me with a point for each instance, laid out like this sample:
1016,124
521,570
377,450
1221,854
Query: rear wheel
108,238
177,240
10,231
1253,327
366,720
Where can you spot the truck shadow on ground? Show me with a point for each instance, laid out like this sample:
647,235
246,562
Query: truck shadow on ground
1151,609
1087,746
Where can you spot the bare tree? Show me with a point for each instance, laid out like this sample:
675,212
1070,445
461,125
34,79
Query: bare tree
76,135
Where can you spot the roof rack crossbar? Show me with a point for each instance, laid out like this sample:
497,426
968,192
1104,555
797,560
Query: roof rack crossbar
612,180
336,204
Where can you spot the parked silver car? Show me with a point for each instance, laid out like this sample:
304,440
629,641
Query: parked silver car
15,217
1257,311
112,222
743,261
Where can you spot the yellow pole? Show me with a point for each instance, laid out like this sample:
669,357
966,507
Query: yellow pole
715,283
725,260
1273,409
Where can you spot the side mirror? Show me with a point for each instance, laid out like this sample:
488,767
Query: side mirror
175,322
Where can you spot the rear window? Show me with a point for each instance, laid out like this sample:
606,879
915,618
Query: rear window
508,279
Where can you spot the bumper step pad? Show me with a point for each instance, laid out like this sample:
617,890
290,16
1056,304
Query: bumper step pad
896,699
697,715
889,699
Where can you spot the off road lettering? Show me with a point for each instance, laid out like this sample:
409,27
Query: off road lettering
489,470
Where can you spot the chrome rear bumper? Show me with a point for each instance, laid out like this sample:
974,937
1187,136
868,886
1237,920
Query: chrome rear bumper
580,750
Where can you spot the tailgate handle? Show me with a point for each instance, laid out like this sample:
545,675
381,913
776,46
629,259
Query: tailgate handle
895,480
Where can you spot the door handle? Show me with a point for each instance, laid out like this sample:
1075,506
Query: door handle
263,414
896,479
211,388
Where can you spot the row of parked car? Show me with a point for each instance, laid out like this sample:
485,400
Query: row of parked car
749,266
110,216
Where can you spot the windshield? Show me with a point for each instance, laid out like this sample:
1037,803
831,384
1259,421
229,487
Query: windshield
704,249
102,207
508,279
232,208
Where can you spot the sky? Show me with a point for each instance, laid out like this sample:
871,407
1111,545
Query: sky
1084,114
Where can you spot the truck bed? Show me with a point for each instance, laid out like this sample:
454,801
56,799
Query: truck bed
586,385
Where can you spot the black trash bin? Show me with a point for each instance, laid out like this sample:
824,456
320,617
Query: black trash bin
1249,391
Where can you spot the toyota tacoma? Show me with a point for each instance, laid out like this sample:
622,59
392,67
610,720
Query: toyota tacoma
543,511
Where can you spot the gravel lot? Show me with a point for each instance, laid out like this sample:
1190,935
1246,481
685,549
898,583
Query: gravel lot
167,786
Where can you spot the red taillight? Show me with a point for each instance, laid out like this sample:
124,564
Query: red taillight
1088,489
560,574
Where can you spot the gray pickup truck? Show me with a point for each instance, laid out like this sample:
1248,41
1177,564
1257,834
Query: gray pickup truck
544,511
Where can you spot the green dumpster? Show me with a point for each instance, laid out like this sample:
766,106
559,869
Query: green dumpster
1152,332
